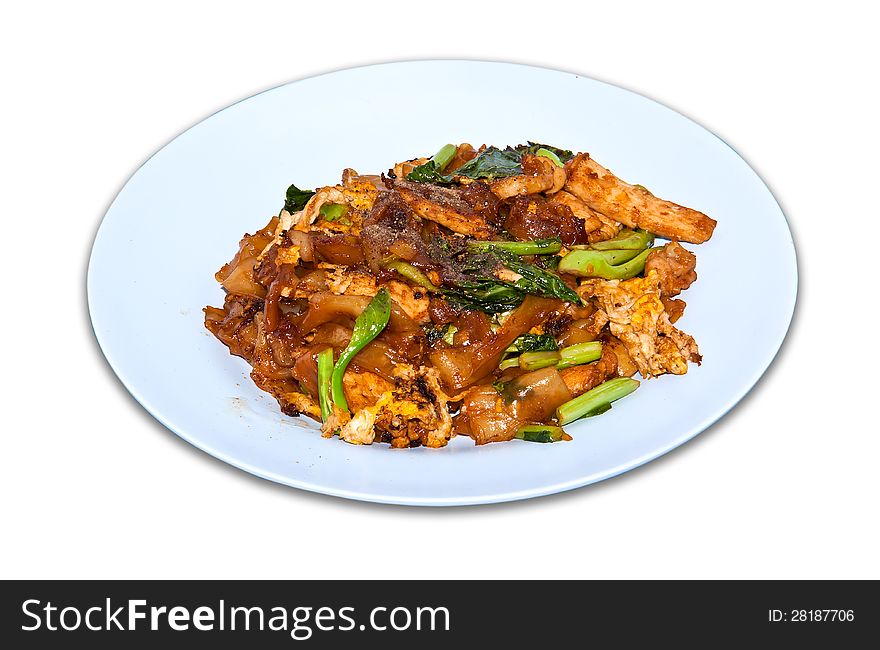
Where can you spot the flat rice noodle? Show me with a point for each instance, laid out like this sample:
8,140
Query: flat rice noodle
237,276
463,366
535,395
338,249
376,357
328,307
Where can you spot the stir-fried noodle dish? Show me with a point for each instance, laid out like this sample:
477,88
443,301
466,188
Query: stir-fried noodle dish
493,293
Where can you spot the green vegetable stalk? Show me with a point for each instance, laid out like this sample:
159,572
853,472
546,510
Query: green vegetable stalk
538,360
325,370
595,401
442,157
334,212
536,247
411,273
626,239
367,327
594,264
579,354
512,362
539,433
546,153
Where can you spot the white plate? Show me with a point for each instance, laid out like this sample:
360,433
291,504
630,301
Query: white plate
179,218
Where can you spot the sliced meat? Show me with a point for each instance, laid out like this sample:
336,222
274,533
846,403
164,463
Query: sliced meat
540,174
674,266
579,209
580,379
633,205
446,206
534,217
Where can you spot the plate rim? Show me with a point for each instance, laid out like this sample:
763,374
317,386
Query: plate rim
484,499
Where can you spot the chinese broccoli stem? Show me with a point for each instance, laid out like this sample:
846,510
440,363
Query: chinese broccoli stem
596,400
593,264
539,433
535,247
626,239
579,354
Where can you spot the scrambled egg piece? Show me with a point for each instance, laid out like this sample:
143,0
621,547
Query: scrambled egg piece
638,318
356,193
412,413
343,280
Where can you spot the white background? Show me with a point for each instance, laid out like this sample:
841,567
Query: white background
785,486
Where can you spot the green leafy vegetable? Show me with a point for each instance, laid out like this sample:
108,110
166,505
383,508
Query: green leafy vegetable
491,163
533,343
539,433
538,281
325,370
490,296
596,401
367,327
432,171
296,199
445,333
535,247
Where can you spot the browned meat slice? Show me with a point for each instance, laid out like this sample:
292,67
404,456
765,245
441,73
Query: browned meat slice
675,265
534,217
539,175
592,220
446,206
633,205
580,379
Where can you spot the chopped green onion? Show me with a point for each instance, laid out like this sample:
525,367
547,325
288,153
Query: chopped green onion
367,327
325,370
538,360
549,154
535,247
442,157
595,401
333,211
579,354
592,264
626,239
411,273
539,433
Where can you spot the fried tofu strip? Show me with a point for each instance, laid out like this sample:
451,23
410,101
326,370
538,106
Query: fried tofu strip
444,206
633,205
